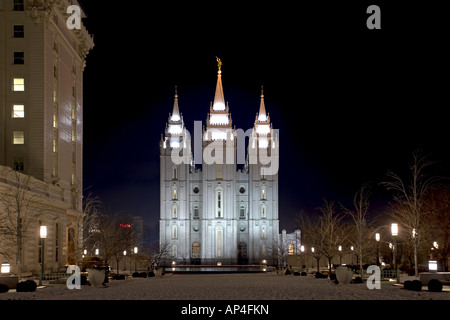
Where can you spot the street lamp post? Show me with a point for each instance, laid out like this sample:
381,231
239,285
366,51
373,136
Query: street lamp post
124,262
135,258
352,248
394,232
302,249
377,238
340,254
43,236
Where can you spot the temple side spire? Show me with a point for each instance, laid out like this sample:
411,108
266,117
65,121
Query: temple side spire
176,111
262,108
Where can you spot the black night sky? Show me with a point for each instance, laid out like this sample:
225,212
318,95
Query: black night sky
349,102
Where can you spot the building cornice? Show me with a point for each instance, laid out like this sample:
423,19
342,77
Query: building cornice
46,10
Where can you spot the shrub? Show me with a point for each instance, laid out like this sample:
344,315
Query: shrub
407,285
119,277
151,274
3,288
139,275
296,273
320,275
434,285
358,280
287,272
26,286
303,274
333,276
414,285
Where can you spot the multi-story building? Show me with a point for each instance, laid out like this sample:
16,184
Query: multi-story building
41,111
219,212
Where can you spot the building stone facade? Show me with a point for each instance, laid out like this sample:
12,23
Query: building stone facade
41,120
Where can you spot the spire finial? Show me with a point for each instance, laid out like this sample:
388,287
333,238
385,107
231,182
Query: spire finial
219,64
176,112
262,108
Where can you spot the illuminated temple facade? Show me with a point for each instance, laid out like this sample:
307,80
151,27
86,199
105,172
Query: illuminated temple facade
219,195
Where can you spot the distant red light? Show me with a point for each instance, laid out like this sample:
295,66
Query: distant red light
125,225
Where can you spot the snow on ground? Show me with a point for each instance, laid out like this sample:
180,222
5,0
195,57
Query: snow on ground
258,286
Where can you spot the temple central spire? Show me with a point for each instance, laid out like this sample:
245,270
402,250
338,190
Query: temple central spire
219,100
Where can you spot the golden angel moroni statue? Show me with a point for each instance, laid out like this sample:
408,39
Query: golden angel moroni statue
219,63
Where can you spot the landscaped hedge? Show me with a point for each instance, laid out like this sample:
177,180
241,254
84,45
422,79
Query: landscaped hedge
26,286
139,275
3,288
414,285
118,277
434,285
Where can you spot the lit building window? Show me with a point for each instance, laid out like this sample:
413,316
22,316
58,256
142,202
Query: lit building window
174,194
291,249
174,212
18,111
19,84
174,232
55,146
18,137
263,193
263,212
263,232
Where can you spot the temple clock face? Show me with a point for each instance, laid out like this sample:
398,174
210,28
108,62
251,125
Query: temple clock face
242,190
196,190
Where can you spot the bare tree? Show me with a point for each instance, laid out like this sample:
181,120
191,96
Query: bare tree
408,200
155,253
437,225
331,231
111,236
311,236
87,225
358,215
20,206
279,252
